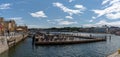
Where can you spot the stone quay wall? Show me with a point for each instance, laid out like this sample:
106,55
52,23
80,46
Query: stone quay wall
3,44
8,41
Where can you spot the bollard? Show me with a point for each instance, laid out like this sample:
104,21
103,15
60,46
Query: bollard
119,51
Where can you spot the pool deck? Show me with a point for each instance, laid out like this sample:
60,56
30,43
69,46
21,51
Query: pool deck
114,55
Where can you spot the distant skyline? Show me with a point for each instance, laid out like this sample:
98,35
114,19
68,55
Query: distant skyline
61,13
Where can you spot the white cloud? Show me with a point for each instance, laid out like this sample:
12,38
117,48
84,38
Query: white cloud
61,22
93,17
58,20
69,17
71,0
66,22
51,22
112,11
81,7
90,20
48,20
33,26
18,20
113,16
5,6
89,25
109,2
103,22
39,14
67,10
105,1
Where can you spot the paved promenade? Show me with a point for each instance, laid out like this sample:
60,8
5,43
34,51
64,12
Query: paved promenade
114,55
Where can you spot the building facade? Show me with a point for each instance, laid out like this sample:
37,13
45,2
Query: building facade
7,26
21,28
1,26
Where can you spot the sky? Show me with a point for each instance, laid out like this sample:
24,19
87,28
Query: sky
61,13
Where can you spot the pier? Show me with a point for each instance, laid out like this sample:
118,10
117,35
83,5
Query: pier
53,39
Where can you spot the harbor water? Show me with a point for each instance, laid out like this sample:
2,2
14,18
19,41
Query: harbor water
95,49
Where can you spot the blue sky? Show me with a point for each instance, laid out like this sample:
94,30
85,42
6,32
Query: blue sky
61,13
